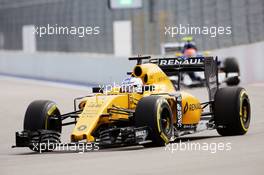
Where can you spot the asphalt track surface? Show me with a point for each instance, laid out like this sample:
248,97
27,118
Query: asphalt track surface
245,157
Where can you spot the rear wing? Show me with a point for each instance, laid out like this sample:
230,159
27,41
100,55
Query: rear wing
182,64
176,66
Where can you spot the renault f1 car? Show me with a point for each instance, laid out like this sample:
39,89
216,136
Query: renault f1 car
154,116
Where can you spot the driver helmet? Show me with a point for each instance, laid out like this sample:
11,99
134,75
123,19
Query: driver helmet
131,84
189,50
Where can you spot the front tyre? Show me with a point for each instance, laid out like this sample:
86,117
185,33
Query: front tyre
155,112
38,121
231,66
232,111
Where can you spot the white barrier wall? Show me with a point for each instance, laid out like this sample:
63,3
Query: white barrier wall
66,67
98,69
250,58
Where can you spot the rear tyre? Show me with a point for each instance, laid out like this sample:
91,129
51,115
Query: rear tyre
232,111
232,81
37,119
155,112
231,65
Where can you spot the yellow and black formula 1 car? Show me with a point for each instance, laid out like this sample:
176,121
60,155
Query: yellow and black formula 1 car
154,115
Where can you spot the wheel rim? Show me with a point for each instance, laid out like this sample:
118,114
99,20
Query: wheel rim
165,120
245,114
245,111
53,111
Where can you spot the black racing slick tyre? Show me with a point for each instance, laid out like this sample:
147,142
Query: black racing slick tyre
37,115
45,133
231,65
233,81
232,111
155,113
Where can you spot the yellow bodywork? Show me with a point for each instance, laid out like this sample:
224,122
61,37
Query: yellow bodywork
191,108
96,108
